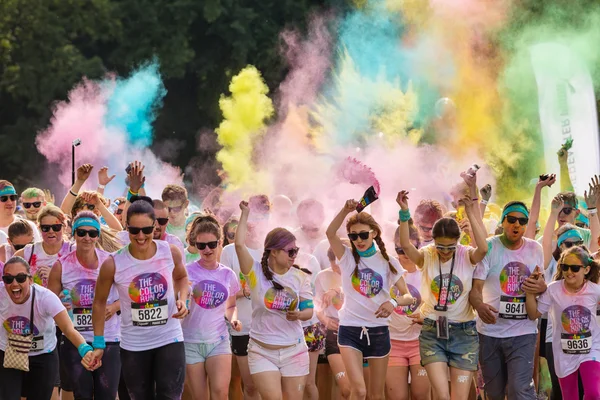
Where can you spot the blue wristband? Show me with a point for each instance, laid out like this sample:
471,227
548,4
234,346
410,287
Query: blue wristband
304,304
404,215
84,348
99,342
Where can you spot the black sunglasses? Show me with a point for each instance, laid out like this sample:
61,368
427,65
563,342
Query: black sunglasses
21,278
162,221
568,245
362,235
134,230
55,227
211,245
119,211
90,207
574,268
19,246
82,232
293,252
35,204
231,235
567,210
400,251
12,197
522,221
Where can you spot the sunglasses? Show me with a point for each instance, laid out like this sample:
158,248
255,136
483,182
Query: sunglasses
231,235
574,268
363,235
445,248
90,207
82,232
19,246
135,230
55,227
21,278
512,220
12,197
293,252
162,221
567,210
119,211
425,228
400,251
568,245
35,204
211,245
175,209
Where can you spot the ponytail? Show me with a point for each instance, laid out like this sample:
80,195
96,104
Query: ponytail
264,263
384,253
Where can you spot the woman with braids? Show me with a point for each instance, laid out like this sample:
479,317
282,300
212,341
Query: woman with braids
571,302
281,299
367,274
449,335
205,332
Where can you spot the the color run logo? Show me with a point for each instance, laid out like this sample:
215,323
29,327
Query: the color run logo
19,326
576,319
368,282
279,299
82,293
512,277
456,289
410,309
148,287
209,294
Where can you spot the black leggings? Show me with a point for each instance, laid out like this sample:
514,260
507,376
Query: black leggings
37,384
100,384
156,374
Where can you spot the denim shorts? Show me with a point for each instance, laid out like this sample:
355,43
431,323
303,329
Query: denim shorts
198,352
460,351
371,342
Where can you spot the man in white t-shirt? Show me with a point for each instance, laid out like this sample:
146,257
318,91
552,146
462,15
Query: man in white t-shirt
8,206
507,338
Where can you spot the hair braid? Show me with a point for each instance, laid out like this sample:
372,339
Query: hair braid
264,263
384,253
356,259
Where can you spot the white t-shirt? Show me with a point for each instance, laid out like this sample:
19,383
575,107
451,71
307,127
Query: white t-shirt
326,280
504,271
40,258
459,308
147,297
3,238
365,293
576,337
210,291
269,306
81,283
308,261
320,253
123,237
402,327
15,319
37,236
244,306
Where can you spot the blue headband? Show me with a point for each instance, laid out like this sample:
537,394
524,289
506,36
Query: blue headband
515,208
7,191
85,221
570,234
583,218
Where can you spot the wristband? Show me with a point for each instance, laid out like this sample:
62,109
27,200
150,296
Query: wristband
592,211
83,349
483,201
404,215
130,193
394,302
101,186
304,304
99,342
73,193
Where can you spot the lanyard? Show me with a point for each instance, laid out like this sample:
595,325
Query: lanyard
442,280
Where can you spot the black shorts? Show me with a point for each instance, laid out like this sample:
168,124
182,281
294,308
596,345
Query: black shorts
331,344
372,342
239,345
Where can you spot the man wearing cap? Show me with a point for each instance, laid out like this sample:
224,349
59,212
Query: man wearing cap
507,338
8,206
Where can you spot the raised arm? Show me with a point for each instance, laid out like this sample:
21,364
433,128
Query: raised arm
479,234
335,242
83,173
565,179
104,282
103,179
534,214
547,245
110,218
244,257
591,199
416,255
486,194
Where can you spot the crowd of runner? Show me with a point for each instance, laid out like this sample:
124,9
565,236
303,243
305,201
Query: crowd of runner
140,298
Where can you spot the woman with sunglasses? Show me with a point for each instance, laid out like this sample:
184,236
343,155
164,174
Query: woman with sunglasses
77,273
571,301
152,285
20,234
42,255
405,328
20,300
8,206
448,336
281,299
229,231
119,202
368,273
205,331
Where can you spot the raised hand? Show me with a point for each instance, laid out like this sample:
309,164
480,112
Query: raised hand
557,204
84,171
136,176
350,205
244,206
103,178
48,196
486,192
547,180
402,199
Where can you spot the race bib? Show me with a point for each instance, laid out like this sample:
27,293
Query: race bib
512,308
37,344
82,319
150,313
576,343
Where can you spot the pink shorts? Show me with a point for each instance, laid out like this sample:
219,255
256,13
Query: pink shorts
289,361
404,354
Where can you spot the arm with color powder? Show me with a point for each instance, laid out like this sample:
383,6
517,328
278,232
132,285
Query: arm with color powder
417,256
244,256
534,213
591,199
83,173
565,179
478,230
335,242
547,245
486,194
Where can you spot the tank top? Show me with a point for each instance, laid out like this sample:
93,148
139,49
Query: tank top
145,288
81,283
37,257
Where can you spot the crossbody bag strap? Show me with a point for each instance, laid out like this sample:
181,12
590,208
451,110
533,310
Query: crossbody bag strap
31,255
31,314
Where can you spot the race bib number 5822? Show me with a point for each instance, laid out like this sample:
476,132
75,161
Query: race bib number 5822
150,314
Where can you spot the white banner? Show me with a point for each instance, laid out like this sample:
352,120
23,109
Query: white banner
567,110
